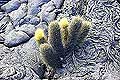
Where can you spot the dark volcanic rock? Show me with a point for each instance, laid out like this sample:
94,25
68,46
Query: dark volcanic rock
2,15
17,72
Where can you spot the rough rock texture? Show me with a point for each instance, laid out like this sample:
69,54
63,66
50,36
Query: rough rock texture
35,5
27,16
11,6
97,59
18,14
73,8
27,28
17,27
15,38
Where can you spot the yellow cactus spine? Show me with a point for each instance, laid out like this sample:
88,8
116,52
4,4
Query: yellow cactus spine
64,30
63,23
39,36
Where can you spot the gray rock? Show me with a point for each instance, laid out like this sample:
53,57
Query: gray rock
1,39
1,53
72,8
9,28
27,28
30,53
58,3
46,16
34,6
30,19
27,18
18,14
49,11
34,21
11,6
31,75
22,21
30,56
17,72
8,72
14,38
12,67
23,1
48,7
2,15
3,23
50,17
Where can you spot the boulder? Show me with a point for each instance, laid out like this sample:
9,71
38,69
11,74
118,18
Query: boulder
11,6
14,38
34,6
31,58
30,19
18,14
27,28
9,28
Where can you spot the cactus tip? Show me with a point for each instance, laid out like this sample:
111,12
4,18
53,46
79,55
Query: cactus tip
63,23
87,24
39,33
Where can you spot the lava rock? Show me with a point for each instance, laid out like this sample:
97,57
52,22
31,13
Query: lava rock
1,15
47,13
1,39
34,21
14,38
11,6
58,3
50,10
23,1
30,52
29,19
31,58
18,14
17,72
3,23
8,72
34,6
27,28
9,28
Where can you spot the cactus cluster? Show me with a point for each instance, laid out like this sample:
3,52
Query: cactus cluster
62,39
